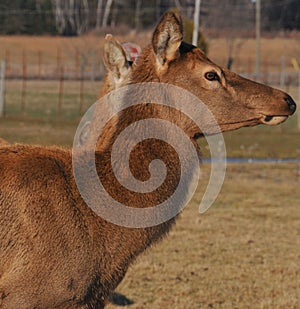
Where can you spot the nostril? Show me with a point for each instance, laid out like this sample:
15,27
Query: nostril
291,103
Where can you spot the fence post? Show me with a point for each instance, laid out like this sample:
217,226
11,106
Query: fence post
58,63
298,100
60,91
93,65
2,87
24,77
282,72
76,61
81,91
7,62
40,64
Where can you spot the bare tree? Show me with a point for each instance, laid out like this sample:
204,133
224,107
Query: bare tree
157,4
137,17
178,5
60,19
71,16
106,12
99,13
81,15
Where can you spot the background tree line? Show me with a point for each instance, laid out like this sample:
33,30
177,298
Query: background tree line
74,17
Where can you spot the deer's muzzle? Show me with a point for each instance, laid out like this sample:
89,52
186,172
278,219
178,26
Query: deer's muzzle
273,120
291,103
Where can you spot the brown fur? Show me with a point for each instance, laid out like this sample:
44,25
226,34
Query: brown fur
3,142
118,73
55,252
117,66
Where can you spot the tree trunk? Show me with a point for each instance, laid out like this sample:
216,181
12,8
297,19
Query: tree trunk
60,20
137,17
70,12
178,6
81,15
106,12
158,10
99,13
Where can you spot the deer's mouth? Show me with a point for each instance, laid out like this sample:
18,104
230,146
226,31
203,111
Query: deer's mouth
273,120
270,120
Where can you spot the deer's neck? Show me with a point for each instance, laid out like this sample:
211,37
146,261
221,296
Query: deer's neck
142,155
122,244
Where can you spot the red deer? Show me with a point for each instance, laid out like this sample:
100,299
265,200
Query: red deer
55,252
3,142
117,64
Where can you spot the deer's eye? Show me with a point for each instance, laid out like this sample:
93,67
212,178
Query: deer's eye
211,76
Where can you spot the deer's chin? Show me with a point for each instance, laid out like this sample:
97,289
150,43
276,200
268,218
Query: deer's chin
273,120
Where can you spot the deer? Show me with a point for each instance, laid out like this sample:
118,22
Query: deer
3,142
55,251
118,63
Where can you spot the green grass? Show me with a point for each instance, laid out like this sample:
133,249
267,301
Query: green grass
42,99
38,132
40,122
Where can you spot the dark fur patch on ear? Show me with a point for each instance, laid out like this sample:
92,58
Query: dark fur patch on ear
186,48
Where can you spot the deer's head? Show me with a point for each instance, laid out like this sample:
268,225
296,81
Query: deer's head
234,101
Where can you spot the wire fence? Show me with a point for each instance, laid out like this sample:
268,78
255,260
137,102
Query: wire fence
90,68
61,87
67,88
76,66
60,98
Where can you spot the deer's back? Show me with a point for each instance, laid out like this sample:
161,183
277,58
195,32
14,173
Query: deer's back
42,227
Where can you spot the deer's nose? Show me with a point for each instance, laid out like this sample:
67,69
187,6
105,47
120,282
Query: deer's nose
291,103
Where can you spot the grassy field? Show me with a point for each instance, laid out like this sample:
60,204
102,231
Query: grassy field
242,253
41,122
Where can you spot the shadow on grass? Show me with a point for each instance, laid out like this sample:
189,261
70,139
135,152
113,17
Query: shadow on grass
119,299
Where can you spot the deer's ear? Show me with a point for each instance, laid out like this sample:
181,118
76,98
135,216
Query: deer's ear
167,38
115,59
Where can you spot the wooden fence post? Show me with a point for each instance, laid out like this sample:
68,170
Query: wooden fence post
266,71
40,64
24,77
282,72
76,63
61,91
58,63
298,118
93,64
7,61
2,87
81,91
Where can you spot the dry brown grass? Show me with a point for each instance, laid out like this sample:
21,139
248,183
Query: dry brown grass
49,45
242,253
272,49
